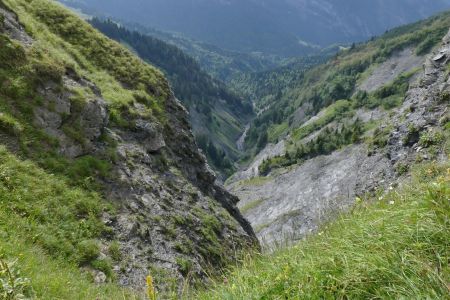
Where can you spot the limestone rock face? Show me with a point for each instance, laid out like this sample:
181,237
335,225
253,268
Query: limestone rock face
94,118
13,28
151,136
159,177
289,204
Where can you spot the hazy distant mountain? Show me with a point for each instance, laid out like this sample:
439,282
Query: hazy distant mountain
284,27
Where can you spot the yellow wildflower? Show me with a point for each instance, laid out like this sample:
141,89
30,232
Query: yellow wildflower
150,288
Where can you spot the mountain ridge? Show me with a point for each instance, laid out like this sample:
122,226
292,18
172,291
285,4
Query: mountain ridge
262,26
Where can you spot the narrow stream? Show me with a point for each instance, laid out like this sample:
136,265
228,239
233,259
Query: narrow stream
241,140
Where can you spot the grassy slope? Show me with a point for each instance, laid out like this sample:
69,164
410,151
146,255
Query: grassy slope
45,225
398,247
49,222
50,209
63,38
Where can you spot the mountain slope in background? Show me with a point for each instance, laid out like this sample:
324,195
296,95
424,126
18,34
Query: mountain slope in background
345,128
286,27
219,63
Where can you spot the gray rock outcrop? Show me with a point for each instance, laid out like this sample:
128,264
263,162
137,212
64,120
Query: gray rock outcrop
289,204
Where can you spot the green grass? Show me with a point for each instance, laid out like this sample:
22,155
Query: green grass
54,52
255,181
52,278
52,229
395,248
251,205
64,41
336,111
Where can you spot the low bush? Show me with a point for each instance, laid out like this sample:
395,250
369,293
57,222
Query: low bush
12,284
88,251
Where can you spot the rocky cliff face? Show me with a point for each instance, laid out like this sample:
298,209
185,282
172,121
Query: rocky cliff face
170,218
293,202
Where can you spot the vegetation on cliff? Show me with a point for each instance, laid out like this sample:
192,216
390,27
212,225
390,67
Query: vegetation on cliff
284,110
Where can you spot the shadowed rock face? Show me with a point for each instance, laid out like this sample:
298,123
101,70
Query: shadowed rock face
290,203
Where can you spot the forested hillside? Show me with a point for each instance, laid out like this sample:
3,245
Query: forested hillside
305,96
265,88
217,114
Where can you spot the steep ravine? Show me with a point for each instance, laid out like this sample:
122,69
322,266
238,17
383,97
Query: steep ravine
292,202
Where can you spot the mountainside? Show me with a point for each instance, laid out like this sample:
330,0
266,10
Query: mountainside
286,28
105,194
286,108
217,115
219,63
100,176
265,88
348,127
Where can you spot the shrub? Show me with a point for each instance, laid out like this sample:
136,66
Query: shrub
401,168
12,54
103,265
88,251
380,137
184,265
54,245
88,166
445,97
412,136
114,251
9,124
12,284
431,138
47,70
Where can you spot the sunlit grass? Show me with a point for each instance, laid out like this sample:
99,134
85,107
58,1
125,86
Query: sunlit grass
395,248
